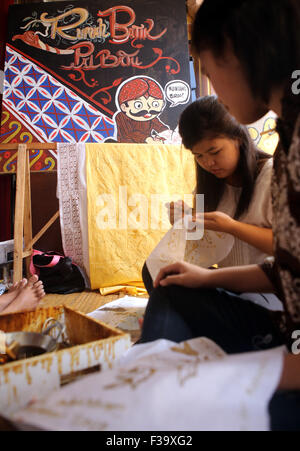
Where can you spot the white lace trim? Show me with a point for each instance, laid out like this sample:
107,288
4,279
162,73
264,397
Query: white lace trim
71,190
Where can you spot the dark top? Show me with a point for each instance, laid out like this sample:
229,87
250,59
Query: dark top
284,272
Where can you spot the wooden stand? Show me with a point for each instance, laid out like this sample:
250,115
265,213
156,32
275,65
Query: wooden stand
23,241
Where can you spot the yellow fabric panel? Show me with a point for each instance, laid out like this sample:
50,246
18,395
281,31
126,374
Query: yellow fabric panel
118,252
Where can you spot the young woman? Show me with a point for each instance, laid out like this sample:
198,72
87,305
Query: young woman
250,50
235,179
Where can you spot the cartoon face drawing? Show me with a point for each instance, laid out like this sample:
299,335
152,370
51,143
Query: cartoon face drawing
139,100
143,108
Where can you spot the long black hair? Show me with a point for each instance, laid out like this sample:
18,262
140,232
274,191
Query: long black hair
206,118
264,35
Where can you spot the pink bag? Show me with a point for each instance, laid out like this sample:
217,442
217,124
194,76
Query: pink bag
57,272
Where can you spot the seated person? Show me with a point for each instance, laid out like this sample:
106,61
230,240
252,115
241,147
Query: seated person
235,179
189,301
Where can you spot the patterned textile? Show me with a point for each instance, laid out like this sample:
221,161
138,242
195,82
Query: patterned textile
128,186
71,190
15,130
54,111
162,385
115,255
285,272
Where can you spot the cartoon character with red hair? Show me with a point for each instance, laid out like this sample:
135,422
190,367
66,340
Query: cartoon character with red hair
140,100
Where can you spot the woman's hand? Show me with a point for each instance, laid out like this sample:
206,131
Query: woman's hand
184,274
239,279
216,220
177,210
259,237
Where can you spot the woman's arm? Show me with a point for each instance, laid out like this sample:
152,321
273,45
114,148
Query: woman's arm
250,278
259,237
238,279
290,377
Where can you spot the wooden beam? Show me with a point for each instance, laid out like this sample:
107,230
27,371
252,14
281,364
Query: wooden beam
27,254
30,146
23,213
41,232
19,213
27,215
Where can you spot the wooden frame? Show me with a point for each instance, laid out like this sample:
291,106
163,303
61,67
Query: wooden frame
23,240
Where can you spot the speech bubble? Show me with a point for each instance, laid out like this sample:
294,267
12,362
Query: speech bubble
177,92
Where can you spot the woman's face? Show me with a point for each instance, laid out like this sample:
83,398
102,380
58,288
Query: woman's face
231,86
219,156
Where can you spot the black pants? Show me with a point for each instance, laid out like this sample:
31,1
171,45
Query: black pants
147,279
177,313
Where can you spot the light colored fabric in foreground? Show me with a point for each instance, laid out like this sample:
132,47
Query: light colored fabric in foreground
166,386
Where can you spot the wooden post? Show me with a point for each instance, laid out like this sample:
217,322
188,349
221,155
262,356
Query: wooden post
27,217
203,84
19,213
23,241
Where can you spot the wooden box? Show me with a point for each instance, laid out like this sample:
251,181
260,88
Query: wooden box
94,346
